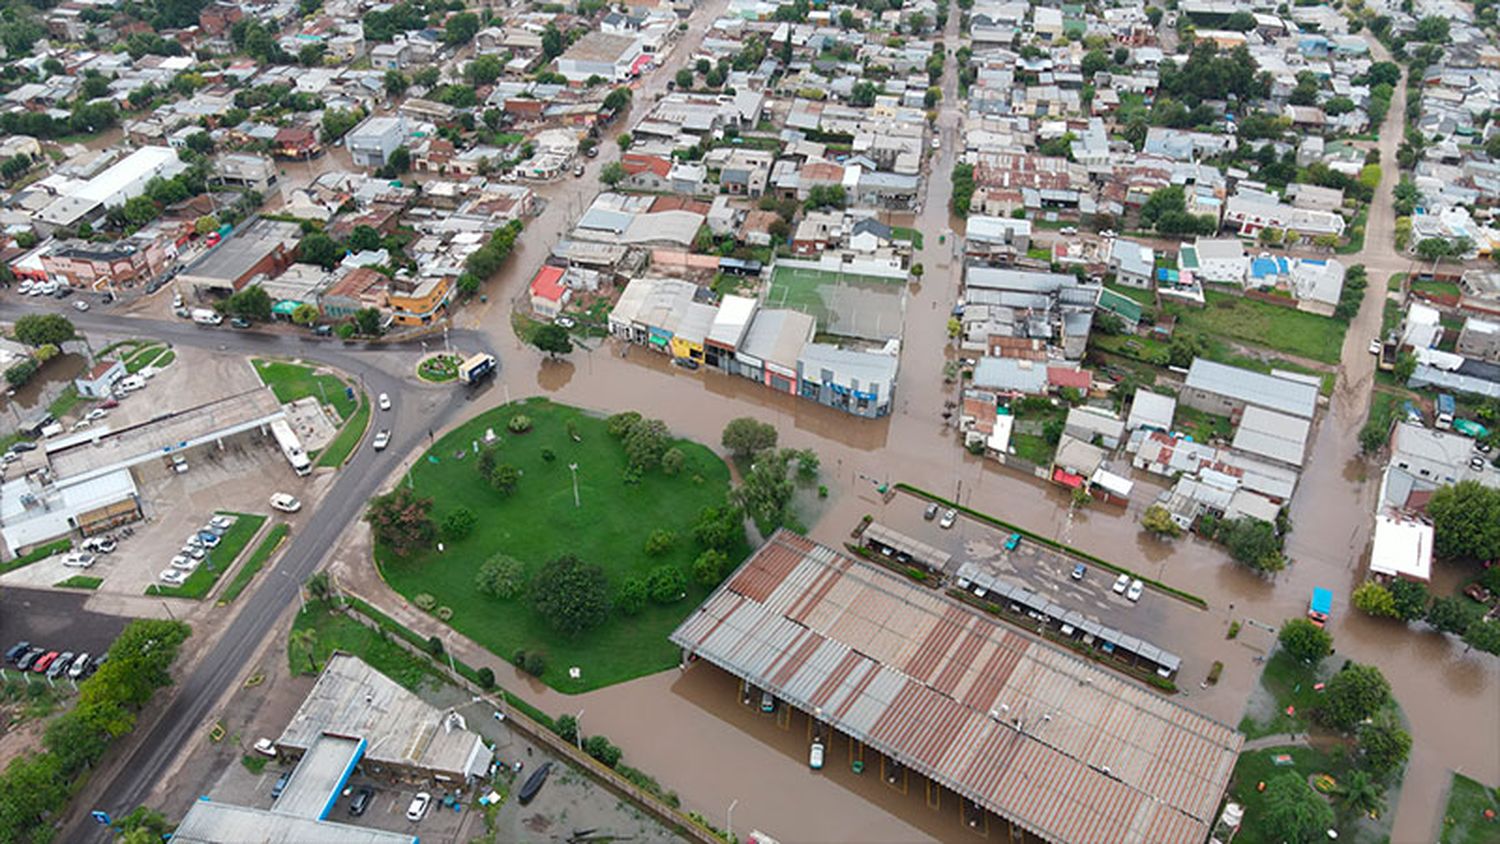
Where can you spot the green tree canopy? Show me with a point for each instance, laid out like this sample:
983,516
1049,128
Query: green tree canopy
1466,521
573,596
1352,695
1292,812
40,329
552,338
402,520
745,436
1304,640
252,302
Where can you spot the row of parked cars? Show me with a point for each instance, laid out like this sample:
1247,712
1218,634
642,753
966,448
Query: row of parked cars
52,663
196,549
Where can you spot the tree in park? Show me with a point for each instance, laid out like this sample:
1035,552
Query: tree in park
40,329
612,173
619,425
710,566
1374,599
552,339
719,527
1452,614
318,586
1292,812
1383,745
572,595
1304,640
646,442
305,639
1361,794
660,542
766,490
1158,520
253,302
505,478
745,436
459,524
21,371
1484,634
1352,695
501,577
672,461
632,595
1466,521
666,584
402,520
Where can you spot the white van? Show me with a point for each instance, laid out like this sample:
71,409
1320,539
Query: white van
204,316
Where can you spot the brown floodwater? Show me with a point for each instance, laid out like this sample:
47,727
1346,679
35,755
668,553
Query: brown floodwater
33,394
689,729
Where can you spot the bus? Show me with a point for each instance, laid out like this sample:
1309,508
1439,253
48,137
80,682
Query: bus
291,447
476,368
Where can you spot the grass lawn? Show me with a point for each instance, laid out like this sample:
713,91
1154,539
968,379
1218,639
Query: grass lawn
219,559
41,552
539,522
1463,820
1260,766
292,381
1394,285
263,552
1284,329
122,349
1202,427
348,437
1436,288
909,235
166,358
144,358
80,581
1390,317
336,631
1355,232
438,368
65,402
1291,682
1144,298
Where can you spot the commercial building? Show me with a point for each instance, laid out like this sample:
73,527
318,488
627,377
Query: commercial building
854,381
1046,742
616,58
1227,390
88,265
262,247
371,143
123,181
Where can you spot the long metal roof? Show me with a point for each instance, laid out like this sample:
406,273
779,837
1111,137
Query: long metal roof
1036,735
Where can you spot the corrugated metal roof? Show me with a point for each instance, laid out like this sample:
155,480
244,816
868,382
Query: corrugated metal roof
1050,742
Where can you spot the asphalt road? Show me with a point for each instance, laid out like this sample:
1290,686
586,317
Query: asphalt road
417,410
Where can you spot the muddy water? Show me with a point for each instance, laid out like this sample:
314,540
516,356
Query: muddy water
1451,698
35,394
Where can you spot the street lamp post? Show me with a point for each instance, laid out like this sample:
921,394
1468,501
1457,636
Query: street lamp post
573,467
729,822
578,729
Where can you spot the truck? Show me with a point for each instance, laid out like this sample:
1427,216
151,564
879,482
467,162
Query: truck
1320,606
204,316
1446,407
476,369
291,447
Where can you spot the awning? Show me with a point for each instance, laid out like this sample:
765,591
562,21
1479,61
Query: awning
1067,479
285,307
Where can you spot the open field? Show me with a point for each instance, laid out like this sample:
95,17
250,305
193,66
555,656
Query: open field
1258,323
292,381
1464,821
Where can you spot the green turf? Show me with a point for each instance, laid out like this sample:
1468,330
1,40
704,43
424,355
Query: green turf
348,437
1144,298
166,358
263,552
1262,324
202,580
291,381
144,358
1203,427
1257,767
800,288
539,522
336,631
1436,288
80,581
910,235
41,552
1463,820
1291,682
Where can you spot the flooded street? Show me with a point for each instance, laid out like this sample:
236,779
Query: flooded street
24,401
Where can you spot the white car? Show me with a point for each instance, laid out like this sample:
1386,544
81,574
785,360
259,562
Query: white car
1121,584
221,521
285,503
937,143
80,665
194,551
80,305
96,414
385,402
80,425
24,288
418,806
79,560
266,746
183,563
1136,588
948,519
815,756
1375,346
176,300
174,577
382,439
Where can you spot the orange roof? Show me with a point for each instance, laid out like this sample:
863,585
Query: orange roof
548,283
636,163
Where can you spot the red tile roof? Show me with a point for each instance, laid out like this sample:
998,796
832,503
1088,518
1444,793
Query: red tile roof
636,163
548,283
1063,376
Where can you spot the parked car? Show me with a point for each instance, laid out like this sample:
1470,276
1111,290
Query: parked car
949,517
418,806
182,563
194,551
686,363
930,513
59,665
96,414
385,401
17,651
815,756
208,538
23,445
44,662
80,665
285,503
382,439
100,545
1375,346
280,785
265,747
767,702
565,322
1012,541
29,657
81,305
1121,584
1079,570
173,577
79,560
221,521
592,152
1136,589
579,171
239,322
361,800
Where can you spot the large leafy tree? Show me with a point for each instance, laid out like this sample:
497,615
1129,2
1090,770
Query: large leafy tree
1466,521
746,436
1292,812
253,302
41,329
402,520
1352,695
1384,745
572,595
1253,542
1304,640
552,339
318,248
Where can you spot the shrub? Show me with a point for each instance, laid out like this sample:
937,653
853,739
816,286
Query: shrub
459,524
602,749
566,726
571,594
548,455
1234,630
518,424
535,664
1374,599
505,478
425,601
621,424
709,568
444,613
660,542
434,646
1304,640
672,461
822,491
501,577
486,677
666,584
632,596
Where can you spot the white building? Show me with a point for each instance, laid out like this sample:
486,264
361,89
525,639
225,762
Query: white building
125,180
616,58
1221,260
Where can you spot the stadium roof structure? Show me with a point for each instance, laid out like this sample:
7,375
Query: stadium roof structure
1045,740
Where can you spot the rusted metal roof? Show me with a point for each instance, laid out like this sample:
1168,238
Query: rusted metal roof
1050,742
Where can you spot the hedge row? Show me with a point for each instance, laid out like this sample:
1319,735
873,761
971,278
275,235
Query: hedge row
1054,544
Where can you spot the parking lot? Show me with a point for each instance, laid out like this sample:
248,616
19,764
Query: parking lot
1161,619
56,621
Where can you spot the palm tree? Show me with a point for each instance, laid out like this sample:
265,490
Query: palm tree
1362,794
318,586
306,638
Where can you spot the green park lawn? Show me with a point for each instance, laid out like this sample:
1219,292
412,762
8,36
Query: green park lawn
348,437
1463,820
1261,324
335,631
292,381
273,539
1291,682
539,522
1260,766
80,581
219,560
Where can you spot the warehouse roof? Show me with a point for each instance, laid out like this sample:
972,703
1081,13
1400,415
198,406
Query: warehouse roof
1270,391
221,823
1270,434
1054,744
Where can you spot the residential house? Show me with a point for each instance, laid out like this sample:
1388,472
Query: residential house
357,289
245,170
99,381
1219,260
1269,435
1480,339
1248,212
1086,423
1151,411
745,172
371,143
1401,548
1318,284
997,240
645,172
1133,263
548,294
418,302
108,265
297,142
